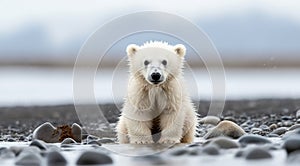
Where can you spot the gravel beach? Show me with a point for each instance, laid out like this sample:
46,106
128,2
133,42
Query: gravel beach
269,132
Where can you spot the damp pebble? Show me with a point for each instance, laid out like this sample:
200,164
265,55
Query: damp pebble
257,153
46,132
225,143
93,158
55,158
279,131
253,139
38,143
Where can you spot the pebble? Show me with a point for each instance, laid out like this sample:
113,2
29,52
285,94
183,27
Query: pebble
296,126
94,142
253,139
239,153
106,141
46,132
225,128
76,131
292,144
55,158
213,120
38,143
93,158
211,149
279,131
68,141
178,151
273,126
225,143
257,153
29,159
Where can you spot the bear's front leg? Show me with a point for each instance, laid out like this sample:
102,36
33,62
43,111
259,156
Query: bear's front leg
171,123
139,132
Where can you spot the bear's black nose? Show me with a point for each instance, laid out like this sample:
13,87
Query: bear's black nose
155,76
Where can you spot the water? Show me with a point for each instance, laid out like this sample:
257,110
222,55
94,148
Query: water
50,86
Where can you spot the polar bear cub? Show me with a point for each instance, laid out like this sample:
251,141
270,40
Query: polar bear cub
157,104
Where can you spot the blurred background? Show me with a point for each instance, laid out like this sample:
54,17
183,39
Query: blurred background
258,41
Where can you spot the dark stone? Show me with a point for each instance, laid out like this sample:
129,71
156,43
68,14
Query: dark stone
38,143
253,139
93,158
211,149
279,131
294,157
178,151
55,158
225,143
292,144
257,153
29,159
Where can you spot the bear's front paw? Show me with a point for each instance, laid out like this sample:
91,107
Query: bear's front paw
168,141
141,141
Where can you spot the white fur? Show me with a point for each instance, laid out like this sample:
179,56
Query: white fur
166,105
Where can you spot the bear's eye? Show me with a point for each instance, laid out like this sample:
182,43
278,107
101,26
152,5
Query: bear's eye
164,62
146,62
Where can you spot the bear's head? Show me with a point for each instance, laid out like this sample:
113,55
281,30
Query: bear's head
156,62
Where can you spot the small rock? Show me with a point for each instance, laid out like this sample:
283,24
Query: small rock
285,118
68,141
225,143
279,131
38,143
225,128
213,120
29,158
178,151
46,132
55,158
273,126
253,139
273,135
292,144
92,138
211,149
93,158
106,141
257,153
255,130
296,126
264,127
76,131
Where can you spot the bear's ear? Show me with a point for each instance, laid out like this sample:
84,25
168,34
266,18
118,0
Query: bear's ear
180,49
132,49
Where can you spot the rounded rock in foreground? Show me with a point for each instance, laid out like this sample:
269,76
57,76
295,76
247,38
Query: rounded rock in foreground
55,158
213,120
257,153
225,128
211,149
225,143
93,158
46,132
296,126
253,139
29,159
292,144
